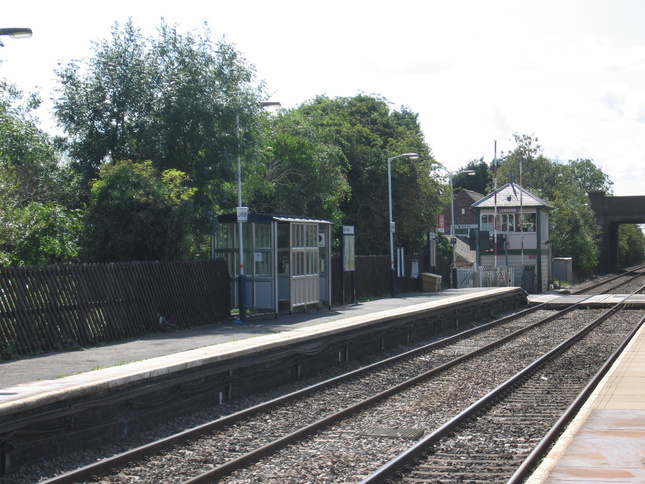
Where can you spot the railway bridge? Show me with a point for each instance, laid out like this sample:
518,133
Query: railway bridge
610,213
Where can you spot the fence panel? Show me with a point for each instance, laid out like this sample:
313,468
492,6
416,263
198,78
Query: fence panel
372,276
54,307
490,276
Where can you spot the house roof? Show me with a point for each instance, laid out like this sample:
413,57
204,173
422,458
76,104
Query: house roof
511,195
473,195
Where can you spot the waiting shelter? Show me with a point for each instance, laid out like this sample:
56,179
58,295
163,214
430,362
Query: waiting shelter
286,260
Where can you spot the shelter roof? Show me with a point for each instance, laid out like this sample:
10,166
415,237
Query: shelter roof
267,218
511,195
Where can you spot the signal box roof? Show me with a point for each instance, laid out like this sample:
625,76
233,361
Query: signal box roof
511,195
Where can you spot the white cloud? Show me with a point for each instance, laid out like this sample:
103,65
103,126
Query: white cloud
572,72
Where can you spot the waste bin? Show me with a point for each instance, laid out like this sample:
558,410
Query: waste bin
430,282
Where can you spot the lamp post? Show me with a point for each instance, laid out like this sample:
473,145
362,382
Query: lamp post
453,240
242,213
392,226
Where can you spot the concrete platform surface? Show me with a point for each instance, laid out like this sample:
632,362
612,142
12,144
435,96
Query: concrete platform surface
605,443
57,366
555,299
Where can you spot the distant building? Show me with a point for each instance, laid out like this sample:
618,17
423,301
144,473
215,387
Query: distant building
522,230
463,213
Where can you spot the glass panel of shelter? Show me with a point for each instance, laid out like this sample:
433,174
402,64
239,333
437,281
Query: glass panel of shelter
262,252
322,248
283,249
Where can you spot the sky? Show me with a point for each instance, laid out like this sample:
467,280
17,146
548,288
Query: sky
569,72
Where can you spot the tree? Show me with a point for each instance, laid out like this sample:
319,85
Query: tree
631,245
526,165
359,134
137,214
302,173
574,233
39,211
479,182
174,99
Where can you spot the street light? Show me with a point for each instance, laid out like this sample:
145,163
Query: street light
392,226
242,213
16,33
453,241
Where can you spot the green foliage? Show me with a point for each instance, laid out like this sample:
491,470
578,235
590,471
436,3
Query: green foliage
574,233
303,173
631,245
39,217
175,99
40,234
134,214
444,247
346,143
479,182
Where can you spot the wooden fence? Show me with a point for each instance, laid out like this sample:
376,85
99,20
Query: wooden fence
372,277
64,306
77,305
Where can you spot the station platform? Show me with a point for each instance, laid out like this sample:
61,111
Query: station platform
38,370
605,443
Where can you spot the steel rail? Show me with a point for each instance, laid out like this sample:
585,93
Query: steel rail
391,469
104,466
554,433
611,279
255,455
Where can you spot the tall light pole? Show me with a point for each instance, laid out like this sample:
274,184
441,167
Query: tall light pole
453,240
242,213
392,226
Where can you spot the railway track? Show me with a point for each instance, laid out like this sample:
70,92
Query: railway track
308,405
503,436
455,372
348,417
625,282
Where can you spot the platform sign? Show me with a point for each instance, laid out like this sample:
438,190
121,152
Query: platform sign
349,248
242,214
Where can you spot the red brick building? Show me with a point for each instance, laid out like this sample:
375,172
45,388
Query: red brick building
463,215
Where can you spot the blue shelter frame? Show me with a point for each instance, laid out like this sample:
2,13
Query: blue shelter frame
287,260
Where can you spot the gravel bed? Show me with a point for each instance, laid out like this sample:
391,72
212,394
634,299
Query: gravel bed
47,468
505,435
344,454
586,286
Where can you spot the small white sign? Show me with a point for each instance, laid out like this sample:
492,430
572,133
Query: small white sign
242,214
